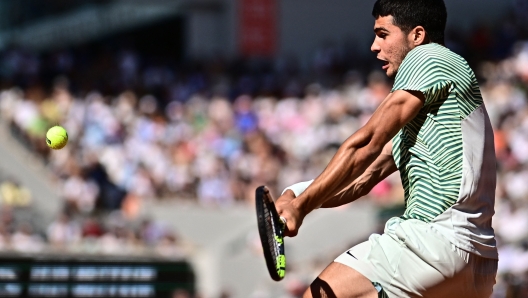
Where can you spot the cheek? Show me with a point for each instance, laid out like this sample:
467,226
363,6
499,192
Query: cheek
390,53
389,48
402,52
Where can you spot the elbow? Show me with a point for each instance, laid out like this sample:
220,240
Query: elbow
377,142
365,143
372,150
376,147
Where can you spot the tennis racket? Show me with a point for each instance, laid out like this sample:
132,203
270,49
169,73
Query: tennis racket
271,230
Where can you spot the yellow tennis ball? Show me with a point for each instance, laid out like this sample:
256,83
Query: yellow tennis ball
56,137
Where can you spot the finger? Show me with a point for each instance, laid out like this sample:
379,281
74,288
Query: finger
284,225
290,231
284,221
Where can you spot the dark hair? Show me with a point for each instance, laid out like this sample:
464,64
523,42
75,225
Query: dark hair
407,14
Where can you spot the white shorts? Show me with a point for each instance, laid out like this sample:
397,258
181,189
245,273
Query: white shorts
412,259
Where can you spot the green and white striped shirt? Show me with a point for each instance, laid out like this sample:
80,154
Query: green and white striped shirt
431,151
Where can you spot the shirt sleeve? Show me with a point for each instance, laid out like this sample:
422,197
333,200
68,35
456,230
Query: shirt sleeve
424,72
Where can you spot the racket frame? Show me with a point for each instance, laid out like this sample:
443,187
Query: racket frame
276,266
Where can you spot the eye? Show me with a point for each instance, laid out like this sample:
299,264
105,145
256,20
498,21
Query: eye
381,34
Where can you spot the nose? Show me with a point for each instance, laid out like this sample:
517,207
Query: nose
375,47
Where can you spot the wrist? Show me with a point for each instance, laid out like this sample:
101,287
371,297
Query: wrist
300,201
301,206
304,204
298,188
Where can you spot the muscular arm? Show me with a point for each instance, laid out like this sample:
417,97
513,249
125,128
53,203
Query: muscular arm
380,169
354,156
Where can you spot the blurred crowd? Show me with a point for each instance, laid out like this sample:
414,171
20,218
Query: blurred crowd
145,128
207,145
112,235
506,96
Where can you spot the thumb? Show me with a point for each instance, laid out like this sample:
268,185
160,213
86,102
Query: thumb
290,230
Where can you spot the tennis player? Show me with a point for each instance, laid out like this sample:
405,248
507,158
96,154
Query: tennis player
433,127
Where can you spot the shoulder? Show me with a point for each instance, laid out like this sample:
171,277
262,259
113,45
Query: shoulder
427,68
433,53
431,58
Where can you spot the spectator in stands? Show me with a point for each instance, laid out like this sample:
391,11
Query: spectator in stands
7,219
150,231
15,195
169,246
25,240
91,228
5,238
80,193
63,232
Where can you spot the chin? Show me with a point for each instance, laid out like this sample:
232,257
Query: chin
391,74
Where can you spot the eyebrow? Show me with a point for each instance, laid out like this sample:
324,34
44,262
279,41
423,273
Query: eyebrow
380,29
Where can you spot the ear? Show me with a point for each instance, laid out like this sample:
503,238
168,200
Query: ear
418,36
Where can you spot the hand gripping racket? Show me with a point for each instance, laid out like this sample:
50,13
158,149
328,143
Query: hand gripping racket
271,229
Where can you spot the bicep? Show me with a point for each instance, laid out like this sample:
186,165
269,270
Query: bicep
394,112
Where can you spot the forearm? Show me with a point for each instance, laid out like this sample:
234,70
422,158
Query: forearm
380,169
351,160
357,189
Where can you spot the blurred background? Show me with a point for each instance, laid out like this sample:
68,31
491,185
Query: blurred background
177,110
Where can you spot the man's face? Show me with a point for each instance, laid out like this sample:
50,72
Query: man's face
391,44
